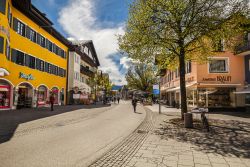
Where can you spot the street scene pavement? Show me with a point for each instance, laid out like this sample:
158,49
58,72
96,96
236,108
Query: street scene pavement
73,138
116,136
169,144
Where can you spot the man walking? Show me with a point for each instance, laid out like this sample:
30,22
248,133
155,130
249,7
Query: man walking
52,100
118,99
134,103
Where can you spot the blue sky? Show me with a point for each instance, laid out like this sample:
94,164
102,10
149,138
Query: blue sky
97,20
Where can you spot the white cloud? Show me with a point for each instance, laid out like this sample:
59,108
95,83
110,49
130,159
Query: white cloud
79,21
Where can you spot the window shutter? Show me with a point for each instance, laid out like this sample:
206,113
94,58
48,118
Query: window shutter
15,24
13,55
27,60
1,44
38,41
2,6
28,32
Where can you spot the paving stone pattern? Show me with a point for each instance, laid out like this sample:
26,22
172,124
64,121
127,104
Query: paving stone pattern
159,151
154,150
121,155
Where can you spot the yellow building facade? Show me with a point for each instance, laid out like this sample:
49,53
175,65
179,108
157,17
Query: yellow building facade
33,57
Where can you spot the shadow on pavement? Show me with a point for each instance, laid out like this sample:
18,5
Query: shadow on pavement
138,113
10,119
235,114
226,138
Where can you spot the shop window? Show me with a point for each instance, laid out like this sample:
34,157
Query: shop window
17,57
249,64
1,44
218,66
248,99
4,96
9,15
42,95
216,97
19,27
30,61
30,34
7,50
2,6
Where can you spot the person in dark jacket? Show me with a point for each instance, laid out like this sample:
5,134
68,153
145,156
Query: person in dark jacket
134,104
52,100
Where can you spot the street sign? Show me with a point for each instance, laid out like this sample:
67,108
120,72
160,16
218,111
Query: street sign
156,86
156,90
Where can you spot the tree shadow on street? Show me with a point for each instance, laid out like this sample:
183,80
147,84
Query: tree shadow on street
225,137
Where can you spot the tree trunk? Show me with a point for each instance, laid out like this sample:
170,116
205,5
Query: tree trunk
182,70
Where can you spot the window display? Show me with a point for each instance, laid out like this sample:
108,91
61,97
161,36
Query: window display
55,91
42,95
216,97
192,97
4,97
248,99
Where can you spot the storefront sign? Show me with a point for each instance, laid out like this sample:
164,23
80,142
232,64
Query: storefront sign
25,76
221,79
76,96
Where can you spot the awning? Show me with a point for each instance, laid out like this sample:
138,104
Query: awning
178,88
3,72
244,91
4,89
211,84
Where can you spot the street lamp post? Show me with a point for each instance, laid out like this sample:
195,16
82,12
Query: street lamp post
159,95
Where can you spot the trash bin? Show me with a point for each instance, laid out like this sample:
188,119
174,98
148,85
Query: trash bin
188,120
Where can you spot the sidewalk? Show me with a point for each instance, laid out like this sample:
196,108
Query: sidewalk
227,145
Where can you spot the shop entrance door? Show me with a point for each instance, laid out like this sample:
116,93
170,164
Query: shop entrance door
24,96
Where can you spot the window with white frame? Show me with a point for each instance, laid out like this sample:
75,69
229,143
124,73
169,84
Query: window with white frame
218,65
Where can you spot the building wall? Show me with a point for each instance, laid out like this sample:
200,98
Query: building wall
25,45
236,70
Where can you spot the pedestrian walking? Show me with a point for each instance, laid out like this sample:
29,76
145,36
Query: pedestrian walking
114,99
118,99
134,103
52,100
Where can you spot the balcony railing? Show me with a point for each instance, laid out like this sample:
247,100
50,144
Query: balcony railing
86,71
244,47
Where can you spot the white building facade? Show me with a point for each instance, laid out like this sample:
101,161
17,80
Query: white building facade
83,63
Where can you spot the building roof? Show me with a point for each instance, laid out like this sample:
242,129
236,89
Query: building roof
76,46
39,18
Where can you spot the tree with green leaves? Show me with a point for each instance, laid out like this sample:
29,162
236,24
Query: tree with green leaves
181,30
141,76
99,82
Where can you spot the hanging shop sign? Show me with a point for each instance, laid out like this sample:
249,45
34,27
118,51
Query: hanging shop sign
27,77
221,79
